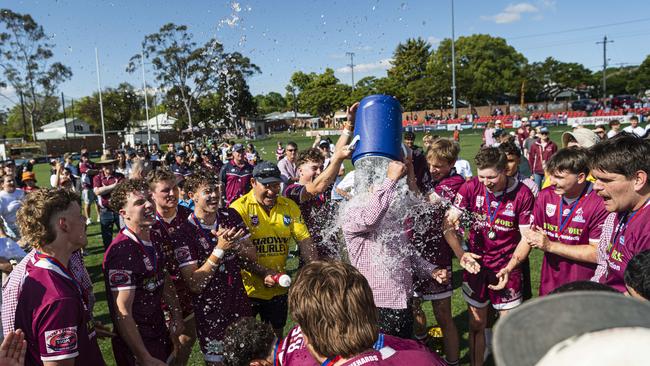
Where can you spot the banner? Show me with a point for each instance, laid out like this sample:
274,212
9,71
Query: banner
592,120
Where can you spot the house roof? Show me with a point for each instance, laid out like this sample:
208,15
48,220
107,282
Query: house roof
59,123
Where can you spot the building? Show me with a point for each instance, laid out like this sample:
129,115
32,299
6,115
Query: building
59,130
159,122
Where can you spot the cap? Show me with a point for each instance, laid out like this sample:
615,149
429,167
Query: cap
66,156
543,130
181,152
10,162
324,143
497,122
526,335
106,159
497,132
585,137
28,176
237,147
525,119
266,172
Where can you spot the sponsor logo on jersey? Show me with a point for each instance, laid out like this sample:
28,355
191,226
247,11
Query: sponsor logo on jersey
287,220
509,210
61,340
182,254
550,209
255,220
578,217
118,277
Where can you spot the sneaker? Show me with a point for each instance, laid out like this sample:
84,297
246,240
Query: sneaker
89,221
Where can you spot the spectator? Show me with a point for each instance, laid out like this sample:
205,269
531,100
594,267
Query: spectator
488,135
10,201
462,167
637,276
103,184
580,137
236,176
529,141
634,127
29,181
88,170
181,167
279,151
123,166
614,128
252,155
540,152
600,132
513,155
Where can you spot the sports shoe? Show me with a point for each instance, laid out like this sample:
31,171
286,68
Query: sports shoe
89,221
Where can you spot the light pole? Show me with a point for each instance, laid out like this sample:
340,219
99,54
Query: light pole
453,61
351,54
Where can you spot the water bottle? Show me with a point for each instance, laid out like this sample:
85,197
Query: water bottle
282,279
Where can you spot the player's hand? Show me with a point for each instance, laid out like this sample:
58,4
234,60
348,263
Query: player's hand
537,238
352,114
396,170
269,281
469,263
13,349
441,275
225,236
103,331
452,217
503,277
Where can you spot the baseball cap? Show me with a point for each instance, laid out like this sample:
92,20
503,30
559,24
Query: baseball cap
525,119
266,172
543,130
237,147
529,332
497,132
585,137
324,143
181,152
28,176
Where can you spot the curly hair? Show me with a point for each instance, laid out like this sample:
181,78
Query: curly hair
198,179
311,154
491,157
120,194
246,340
38,208
160,174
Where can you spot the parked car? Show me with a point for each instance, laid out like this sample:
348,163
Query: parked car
583,105
619,100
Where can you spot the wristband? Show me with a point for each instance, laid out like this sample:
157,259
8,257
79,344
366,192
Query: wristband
218,252
211,262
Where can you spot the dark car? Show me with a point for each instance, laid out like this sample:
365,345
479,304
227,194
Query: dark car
583,105
619,100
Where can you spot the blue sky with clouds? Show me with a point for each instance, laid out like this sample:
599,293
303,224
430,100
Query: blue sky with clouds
308,35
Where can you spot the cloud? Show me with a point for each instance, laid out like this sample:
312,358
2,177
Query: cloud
384,64
433,40
512,13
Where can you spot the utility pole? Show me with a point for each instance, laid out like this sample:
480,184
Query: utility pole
453,60
65,120
605,42
351,54
22,107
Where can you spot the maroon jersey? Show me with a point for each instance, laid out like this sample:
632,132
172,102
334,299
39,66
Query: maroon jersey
100,180
236,180
54,314
86,180
578,223
508,213
162,232
292,351
315,213
538,155
130,264
629,237
224,300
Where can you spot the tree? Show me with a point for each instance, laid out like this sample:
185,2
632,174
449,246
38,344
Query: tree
232,86
15,127
409,64
25,63
319,94
122,105
552,77
640,82
269,103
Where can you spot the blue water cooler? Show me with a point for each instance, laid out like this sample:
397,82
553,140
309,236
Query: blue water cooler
379,125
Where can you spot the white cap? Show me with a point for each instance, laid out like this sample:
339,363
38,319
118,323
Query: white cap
284,280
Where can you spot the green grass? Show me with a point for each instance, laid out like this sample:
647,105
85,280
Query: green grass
470,142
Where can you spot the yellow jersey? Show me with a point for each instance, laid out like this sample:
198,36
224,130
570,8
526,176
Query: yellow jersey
271,234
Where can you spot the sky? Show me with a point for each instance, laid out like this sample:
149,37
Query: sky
283,37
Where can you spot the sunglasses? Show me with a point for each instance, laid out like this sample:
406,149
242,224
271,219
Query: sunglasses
291,150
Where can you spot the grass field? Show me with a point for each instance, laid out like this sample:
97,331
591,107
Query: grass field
470,142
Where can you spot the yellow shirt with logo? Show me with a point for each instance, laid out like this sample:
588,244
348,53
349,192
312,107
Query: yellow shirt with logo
271,234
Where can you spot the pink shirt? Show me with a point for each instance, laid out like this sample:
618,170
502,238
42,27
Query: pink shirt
388,265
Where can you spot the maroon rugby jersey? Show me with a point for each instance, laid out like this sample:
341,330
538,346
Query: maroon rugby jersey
580,223
513,211
56,320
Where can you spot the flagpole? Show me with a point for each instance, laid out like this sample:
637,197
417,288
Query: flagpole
146,104
101,106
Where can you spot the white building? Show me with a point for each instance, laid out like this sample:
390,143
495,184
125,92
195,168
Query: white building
57,130
159,122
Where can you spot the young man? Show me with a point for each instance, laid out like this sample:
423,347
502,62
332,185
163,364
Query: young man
88,170
180,167
170,216
207,247
53,308
236,176
540,152
634,127
429,240
614,128
134,272
637,276
273,221
103,184
503,208
513,156
568,220
621,168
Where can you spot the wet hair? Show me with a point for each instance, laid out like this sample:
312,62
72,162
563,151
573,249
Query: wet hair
623,154
198,179
443,149
120,194
408,135
574,160
160,174
491,157
333,303
309,155
637,274
38,208
245,340
582,286
510,148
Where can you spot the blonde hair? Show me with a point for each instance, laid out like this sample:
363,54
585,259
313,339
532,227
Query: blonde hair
333,303
38,208
443,149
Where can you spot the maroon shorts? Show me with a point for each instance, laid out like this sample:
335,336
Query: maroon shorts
477,293
160,348
429,289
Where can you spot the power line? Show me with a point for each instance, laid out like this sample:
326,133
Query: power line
579,29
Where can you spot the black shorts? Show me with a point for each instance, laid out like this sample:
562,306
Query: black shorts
396,322
273,311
